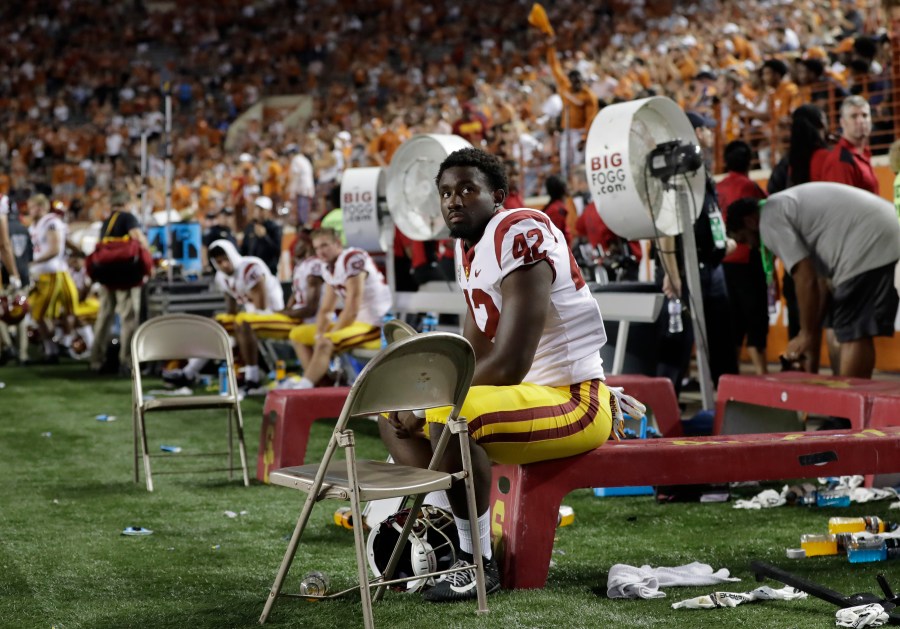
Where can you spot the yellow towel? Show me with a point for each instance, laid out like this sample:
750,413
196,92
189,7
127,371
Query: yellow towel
538,19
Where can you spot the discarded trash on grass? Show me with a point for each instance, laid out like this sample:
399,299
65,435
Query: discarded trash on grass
46,434
105,418
136,530
234,514
183,391
172,449
215,547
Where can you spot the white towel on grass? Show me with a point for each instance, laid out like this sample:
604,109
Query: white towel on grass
630,582
765,499
733,599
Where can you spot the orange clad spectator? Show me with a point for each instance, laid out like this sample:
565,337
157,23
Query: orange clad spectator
383,147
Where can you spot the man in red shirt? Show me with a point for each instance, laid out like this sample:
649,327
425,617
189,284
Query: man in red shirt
472,125
850,161
556,208
744,275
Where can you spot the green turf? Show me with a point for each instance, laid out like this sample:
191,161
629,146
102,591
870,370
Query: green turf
66,498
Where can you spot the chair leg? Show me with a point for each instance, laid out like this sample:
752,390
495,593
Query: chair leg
473,522
361,562
135,440
242,449
288,558
144,450
230,445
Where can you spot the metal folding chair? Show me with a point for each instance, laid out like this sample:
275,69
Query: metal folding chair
417,372
178,337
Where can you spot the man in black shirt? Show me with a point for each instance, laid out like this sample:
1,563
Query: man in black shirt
262,236
126,303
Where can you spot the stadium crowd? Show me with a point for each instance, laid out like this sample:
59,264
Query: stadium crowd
78,96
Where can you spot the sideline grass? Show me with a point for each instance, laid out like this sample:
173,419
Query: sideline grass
66,498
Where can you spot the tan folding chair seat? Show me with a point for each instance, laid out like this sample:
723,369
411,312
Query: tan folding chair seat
179,337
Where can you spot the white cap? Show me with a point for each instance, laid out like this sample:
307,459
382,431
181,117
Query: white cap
264,202
245,157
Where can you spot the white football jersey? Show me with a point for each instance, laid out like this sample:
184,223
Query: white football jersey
40,240
4,205
249,272
569,349
376,299
306,268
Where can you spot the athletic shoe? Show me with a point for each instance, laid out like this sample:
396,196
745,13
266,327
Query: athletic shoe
461,586
177,378
252,388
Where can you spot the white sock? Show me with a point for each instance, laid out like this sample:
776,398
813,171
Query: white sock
194,366
67,340
438,499
305,383
251,373
50,348
484,534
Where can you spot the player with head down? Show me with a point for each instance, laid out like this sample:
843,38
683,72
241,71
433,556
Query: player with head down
538,391
252,294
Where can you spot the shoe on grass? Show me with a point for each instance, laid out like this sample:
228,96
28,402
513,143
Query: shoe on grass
461,586
177,378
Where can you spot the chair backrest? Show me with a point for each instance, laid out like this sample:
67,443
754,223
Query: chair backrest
180,336
421,371
396,329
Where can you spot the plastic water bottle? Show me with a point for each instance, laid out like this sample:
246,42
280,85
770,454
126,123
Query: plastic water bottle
315,583
676,326
280,370
429,322
223,379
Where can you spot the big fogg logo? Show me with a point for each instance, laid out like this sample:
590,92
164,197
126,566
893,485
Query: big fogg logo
358,206
607,173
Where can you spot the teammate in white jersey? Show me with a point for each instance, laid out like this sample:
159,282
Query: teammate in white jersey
302,306
538,390
250,291
54,296
351,275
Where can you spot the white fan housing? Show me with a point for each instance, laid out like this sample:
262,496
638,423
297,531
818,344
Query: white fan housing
367,224
632,203
411,191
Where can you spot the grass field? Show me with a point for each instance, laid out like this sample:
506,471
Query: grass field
67,497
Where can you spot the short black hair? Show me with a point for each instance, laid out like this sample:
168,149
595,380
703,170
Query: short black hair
556,187
865,47
488,164
738,156
777,66
738,211
815,66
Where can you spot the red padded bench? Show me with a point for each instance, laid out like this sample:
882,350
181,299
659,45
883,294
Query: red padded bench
525,499
782,395
289,415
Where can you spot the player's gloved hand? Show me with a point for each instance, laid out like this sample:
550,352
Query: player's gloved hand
627,404
15,283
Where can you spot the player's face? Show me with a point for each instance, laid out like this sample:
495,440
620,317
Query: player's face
224,264
327,249
467,201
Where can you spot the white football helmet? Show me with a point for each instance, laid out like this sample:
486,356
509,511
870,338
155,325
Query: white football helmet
433,545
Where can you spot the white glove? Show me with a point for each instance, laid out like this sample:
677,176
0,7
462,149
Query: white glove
627,404
872,615
15,283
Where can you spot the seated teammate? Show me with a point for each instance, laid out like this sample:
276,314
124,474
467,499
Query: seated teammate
538,390
351,275
249,287
301,307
